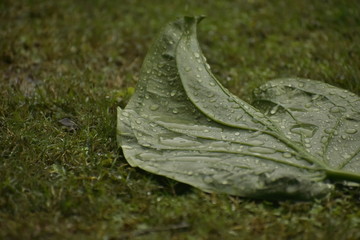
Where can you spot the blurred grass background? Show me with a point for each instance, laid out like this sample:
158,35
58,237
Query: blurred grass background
76,61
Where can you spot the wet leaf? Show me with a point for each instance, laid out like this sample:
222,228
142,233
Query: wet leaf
183,124
68,123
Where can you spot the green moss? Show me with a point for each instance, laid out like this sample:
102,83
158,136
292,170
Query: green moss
80,60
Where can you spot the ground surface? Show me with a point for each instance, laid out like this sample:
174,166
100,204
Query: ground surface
76,61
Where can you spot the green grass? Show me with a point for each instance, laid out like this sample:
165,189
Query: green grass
81,59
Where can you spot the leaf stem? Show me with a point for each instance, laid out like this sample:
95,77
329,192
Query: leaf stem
342,175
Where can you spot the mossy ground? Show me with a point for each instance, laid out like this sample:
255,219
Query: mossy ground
80,60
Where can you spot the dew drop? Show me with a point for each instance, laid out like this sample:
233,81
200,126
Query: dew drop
291,189
316,97
238,117
308,105
208,66
337,109
173,92
328,130
198,68
146,144
274,109
212,84
127,147
351,131
198,76
324,139
224,182
211,94
187,69
237,134
197,55
262,150
256,142
306,130
287,155
154,107
175,111
208,179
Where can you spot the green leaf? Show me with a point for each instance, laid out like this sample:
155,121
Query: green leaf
183,124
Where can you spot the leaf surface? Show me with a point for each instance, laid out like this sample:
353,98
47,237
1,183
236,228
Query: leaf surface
183,124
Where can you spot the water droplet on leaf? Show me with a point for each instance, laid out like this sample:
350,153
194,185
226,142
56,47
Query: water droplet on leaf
274,109
306,130
308,105
324,139
154,107
208,179
351,131
262,150
287,155
337,109
256,142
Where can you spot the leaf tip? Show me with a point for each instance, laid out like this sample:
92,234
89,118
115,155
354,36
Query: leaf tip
194,19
